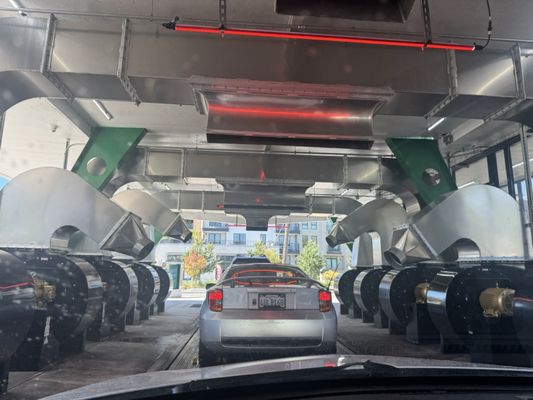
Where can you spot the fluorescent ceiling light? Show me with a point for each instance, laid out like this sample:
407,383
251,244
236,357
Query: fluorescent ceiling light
467,184
102,109
435,124
16,5
521,163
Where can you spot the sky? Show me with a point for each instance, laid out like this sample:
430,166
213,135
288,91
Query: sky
3,181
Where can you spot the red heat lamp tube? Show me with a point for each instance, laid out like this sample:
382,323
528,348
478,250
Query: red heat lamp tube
278,113
324,38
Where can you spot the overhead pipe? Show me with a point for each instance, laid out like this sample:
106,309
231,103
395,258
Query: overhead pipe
153,212
475,222
43,208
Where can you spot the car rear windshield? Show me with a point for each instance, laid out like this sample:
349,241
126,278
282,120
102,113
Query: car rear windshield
250,260
267,276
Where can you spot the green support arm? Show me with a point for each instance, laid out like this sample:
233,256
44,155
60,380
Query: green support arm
422,161
104,152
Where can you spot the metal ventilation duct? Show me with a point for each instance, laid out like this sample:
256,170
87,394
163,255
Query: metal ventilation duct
259,202
361,10
379,216
152,212
478,221
288,113
363,245
44,207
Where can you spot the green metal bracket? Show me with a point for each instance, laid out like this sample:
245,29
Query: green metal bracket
104,152
422,161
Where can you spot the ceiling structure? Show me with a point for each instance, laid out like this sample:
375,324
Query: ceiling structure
473,100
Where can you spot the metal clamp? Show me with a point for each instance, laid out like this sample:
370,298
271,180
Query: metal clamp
122,64
222,12
452,85
46,60
427,22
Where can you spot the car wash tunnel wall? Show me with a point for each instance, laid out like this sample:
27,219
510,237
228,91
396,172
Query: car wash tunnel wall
433,263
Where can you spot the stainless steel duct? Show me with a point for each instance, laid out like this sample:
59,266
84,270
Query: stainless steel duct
206,201
364,248
152,212
50,64
379,216
289,113
258,203
256,168
478,221
43,207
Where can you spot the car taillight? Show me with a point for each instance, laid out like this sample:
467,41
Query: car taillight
324,300
215,298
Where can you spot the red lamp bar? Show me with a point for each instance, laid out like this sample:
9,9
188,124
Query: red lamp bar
277,113
324,38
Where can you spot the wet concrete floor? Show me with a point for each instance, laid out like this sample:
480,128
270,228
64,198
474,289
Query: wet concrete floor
170,341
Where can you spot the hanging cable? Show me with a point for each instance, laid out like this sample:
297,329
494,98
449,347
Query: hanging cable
489,30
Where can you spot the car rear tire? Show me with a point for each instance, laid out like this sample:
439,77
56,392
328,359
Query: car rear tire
206,358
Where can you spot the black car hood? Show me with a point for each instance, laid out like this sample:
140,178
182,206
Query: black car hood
161,379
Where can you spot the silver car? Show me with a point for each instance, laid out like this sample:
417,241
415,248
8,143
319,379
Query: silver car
266,310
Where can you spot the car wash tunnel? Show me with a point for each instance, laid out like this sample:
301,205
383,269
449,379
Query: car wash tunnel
148,148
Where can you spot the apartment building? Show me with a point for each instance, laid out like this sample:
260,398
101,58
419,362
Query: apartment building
231,240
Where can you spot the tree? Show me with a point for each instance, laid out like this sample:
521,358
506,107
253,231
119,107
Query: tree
260,249
310,260
200,258
328,276
193,263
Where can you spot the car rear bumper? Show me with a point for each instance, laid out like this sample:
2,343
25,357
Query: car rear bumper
272,332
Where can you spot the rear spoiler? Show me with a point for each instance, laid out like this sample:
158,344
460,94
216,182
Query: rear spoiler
232,281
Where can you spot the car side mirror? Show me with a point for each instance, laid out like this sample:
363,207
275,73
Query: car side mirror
209,286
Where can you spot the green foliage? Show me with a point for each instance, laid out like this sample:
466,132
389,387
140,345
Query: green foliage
310,260
260,249
194,263
205,250
328,276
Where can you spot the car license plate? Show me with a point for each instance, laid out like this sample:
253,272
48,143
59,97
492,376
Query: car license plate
274,301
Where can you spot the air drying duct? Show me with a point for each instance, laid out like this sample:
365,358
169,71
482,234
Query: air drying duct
43,208
478,221
153,212
379,216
